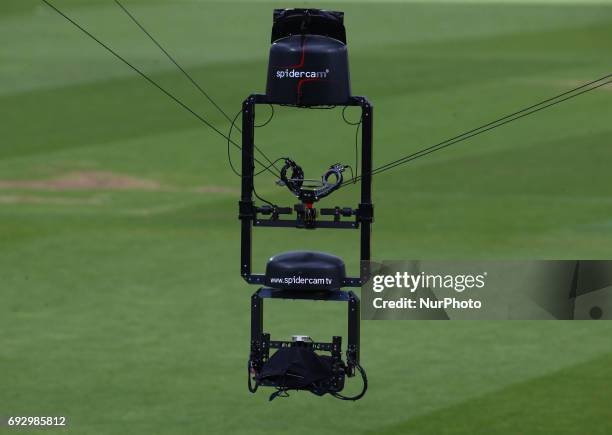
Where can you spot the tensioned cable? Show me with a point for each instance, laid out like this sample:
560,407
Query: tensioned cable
459,138
185,73
151,81
229,155
231,164
491,125
513,115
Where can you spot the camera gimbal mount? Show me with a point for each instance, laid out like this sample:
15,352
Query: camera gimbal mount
310,191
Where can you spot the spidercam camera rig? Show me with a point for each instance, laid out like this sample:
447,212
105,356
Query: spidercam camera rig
308,68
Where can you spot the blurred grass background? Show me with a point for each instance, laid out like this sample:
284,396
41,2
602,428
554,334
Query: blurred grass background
121,304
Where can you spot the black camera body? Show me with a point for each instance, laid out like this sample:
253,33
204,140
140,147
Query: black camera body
297,366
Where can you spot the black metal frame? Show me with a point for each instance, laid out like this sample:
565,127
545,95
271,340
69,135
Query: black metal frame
260,340
250,215
339,217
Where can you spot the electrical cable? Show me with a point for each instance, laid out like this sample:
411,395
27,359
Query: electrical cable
346,120
235,171
356,153
262,199
358,126
252,388
364,377
229,155
269,119
229,138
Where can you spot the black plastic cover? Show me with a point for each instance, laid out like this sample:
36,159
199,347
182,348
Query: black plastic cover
308,63
305,270
300,368
308,70
289,22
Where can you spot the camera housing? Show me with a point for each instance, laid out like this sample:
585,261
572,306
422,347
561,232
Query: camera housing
308,63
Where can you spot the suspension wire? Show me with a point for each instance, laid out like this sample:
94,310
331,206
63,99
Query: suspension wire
513,115
187,75
231,164
429,151
491,125
151,81
229,155
171,58
357,151
421,153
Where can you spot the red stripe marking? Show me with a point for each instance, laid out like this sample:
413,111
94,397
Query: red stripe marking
301,64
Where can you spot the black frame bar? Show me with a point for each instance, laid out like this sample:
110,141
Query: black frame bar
260,340
248,213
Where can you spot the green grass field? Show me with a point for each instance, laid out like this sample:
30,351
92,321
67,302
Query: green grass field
121,306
